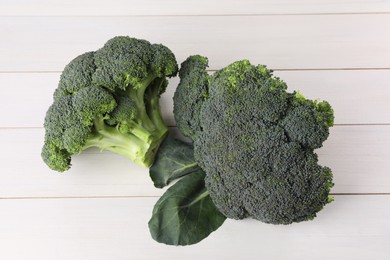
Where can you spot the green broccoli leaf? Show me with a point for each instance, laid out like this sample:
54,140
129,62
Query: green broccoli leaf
174,159
185,213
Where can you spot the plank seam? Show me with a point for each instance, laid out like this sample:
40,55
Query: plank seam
155,196
199,15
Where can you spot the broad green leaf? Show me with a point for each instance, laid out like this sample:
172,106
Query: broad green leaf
174,159
185,214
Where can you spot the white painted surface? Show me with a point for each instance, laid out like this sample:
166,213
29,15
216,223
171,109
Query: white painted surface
281,42
336,50
353,227
190,7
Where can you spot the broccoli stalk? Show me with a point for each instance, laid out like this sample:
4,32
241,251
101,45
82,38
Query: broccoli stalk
153,98
138,145
146,97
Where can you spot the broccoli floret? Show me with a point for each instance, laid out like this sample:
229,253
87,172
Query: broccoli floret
76,75
68,124
295,191
193,88
307,122
256,142
110,99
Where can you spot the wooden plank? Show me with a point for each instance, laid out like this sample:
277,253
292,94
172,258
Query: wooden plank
28,96
358,155
359,158
358,97
352,227
190,7
281,42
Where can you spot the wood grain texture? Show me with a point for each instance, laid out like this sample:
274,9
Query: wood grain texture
189,7
358,155
281,42
351,227
354,97
359,158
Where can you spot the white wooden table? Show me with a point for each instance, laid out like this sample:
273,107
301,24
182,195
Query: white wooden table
336,50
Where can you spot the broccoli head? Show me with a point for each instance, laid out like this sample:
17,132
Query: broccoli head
109,99
255,141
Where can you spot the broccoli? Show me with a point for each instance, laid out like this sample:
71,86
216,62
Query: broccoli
109,99
193,90
255,141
